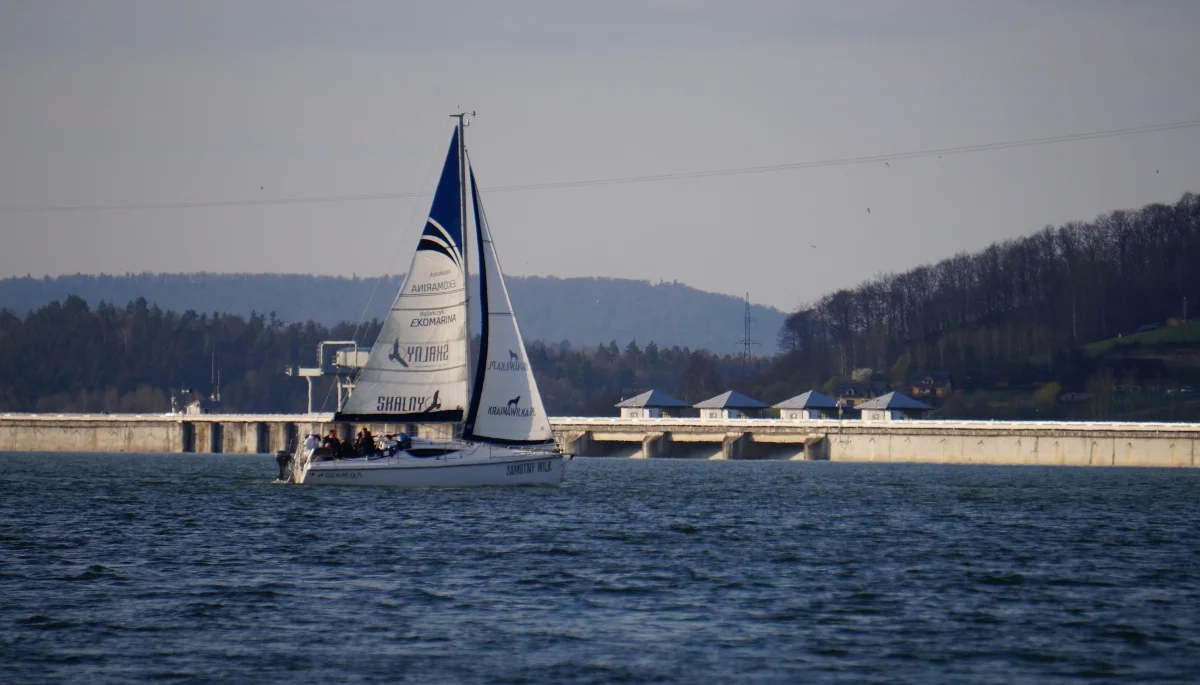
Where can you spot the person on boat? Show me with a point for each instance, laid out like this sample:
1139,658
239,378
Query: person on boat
331,441
366,445
310,443
388,445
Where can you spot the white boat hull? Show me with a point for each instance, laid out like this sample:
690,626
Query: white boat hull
480,465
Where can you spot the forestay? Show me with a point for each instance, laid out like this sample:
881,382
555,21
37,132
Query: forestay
417,370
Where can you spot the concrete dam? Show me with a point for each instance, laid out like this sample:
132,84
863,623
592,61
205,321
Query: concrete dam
948,442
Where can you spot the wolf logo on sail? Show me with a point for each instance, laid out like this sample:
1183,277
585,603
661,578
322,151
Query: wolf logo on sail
395,355
512,409
434,404
514,363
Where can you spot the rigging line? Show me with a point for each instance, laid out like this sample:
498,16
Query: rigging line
362,317
736,171
845,161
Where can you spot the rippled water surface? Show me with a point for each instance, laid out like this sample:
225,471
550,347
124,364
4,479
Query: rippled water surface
198,568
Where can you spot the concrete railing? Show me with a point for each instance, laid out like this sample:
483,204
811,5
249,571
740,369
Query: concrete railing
858,424
986,442
990,442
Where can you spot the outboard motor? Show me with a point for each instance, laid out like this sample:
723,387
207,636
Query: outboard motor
284,459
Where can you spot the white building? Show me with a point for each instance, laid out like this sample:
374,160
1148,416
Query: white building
650,405
893,406
729,405
809,405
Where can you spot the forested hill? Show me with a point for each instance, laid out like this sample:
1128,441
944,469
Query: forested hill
584,311
68,357
1019,313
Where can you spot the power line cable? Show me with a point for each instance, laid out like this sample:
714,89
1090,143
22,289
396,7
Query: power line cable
814,164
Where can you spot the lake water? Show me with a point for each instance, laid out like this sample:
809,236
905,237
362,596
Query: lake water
197,568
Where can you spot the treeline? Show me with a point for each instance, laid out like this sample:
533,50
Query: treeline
589,382
1015,313
67,357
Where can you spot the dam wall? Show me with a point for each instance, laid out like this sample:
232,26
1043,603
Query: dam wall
947,442
166,433
944,442
1051,448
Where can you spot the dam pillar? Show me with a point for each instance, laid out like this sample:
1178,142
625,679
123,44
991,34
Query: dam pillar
278,435
577,443
816,448
656,445
262,438
733,445
200,431
291,437
215,432
187,436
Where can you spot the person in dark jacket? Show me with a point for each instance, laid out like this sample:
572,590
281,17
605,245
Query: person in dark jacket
366,446
331,441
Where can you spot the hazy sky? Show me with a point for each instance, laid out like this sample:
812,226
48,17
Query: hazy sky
111,103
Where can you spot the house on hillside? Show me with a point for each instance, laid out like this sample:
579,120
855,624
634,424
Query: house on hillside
809,405
730,405
651,404
1140,370
1074,397
893,406
851,394
932,387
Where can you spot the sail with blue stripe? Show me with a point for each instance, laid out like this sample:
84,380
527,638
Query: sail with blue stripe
443,228
417,370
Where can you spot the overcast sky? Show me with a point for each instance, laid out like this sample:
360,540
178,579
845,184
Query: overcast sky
113,103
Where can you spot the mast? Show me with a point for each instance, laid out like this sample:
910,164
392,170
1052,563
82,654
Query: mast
462,177
476,389
462,224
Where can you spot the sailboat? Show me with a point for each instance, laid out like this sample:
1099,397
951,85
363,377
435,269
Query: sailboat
420,370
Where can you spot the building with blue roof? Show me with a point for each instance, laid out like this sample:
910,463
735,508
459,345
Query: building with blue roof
893,406
809,405
651,405
729,405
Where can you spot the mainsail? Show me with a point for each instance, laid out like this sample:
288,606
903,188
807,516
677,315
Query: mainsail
506,406
417,370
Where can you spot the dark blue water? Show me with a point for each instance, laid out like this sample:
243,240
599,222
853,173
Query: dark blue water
197,568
